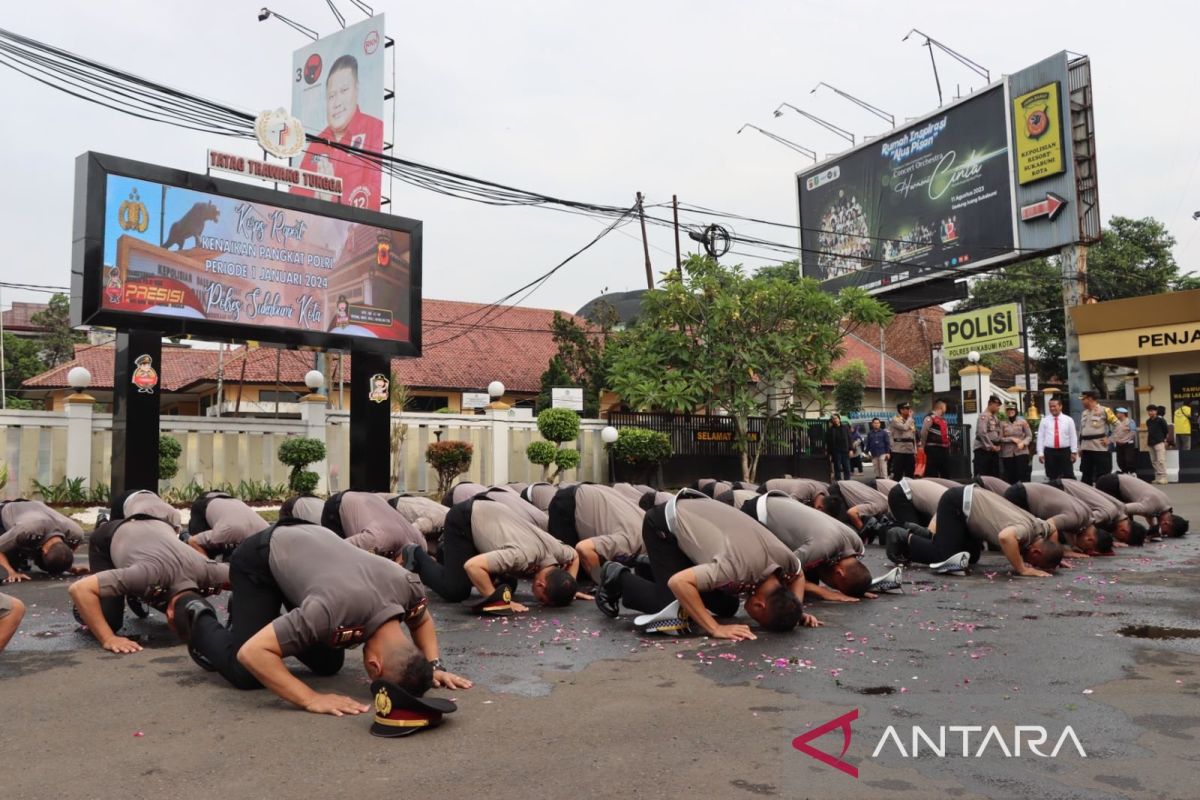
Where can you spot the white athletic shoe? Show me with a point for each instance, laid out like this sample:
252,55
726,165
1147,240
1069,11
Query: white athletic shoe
671,621
959,562
889,582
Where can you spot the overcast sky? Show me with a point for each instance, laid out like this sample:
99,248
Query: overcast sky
595,101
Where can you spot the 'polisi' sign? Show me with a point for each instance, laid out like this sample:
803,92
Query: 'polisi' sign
985,330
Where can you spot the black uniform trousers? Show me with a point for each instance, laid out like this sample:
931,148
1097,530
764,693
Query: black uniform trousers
1127,458
449,578
257,600
903,510
987,462
100,560
1058,463
903,465
935,461
1015,469
666,559
952,535
1093,464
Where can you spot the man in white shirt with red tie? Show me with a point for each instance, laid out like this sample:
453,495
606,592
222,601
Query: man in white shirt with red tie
1058,443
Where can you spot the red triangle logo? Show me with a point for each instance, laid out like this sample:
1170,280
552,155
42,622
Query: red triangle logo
801,742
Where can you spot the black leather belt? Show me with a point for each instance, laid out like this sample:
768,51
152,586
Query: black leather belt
1092,436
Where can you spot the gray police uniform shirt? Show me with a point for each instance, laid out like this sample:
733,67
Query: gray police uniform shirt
540,494
611,520
1106,510
884,485
924,494
339,595
1123,431
151,563
27,523
815,537
1093,429
994,484
308,509
514,545
630,490
465,491
371,524
522,508
987,432
1057,507
230,522
150,504
803,489
1141,498
1017,428
732,552
903,434
422,512
990,513
868,501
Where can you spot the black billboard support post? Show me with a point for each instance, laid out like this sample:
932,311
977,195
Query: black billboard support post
136,371
370,421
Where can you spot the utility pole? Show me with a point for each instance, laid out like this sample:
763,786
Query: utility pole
882,372
645,244
3,368
1074,273
1025,346
675,210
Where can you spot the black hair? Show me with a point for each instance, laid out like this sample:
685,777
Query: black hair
1104,541
857,581
416,677
560,587
783,610
351,63
57,559
1052,554
836,507
1179,525
289,505
1137,533
646,501
1110,484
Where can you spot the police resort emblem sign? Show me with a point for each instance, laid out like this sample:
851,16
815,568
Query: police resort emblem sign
144,376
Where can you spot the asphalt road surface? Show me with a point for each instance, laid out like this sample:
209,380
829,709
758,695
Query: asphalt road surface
568,703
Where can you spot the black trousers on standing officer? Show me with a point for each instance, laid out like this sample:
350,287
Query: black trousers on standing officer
903,465
936,459
987,462
1127,458
257,600
1015,469
1093,464
1058,463
666,559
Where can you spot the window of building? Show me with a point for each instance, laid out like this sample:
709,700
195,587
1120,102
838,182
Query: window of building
283,397
427,403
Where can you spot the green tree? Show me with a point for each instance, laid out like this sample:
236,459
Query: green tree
849,385
580,360
1133,258
58,343
449,459
556,425
922,382
22,361
298,452
751,346
169,451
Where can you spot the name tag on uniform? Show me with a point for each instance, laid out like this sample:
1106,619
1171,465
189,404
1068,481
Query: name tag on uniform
347,637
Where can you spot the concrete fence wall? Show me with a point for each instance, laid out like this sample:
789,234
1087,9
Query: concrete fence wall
48,446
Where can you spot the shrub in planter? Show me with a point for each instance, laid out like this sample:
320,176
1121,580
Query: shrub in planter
449,459
641,449
298,452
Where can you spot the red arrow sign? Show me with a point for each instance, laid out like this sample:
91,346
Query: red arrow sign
1048,208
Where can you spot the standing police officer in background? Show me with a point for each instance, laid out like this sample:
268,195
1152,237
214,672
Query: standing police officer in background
1124,436
935,441
1015,438
987,440
903,433
1094,458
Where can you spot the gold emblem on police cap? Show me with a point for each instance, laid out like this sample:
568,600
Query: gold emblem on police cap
383,703
507,595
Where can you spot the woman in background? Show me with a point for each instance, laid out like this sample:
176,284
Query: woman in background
879,447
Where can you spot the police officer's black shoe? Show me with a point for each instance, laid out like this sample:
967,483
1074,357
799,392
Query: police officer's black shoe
408,556
896,544
608,595
137,607
918,530
189,606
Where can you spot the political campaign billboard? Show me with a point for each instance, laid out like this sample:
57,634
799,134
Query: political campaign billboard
182,253
338,96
